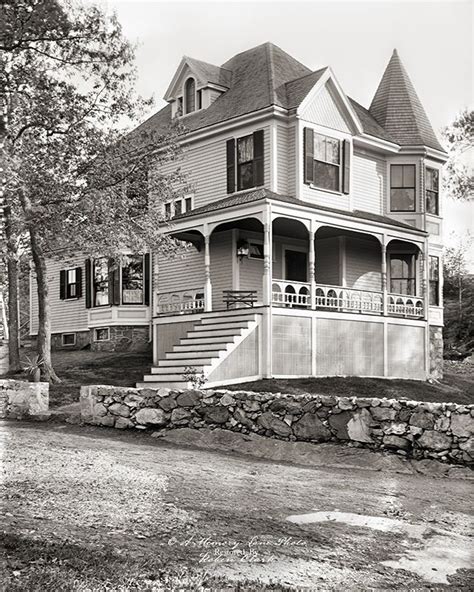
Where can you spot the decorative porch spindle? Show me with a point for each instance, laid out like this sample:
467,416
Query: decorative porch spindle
267,264
312,269
207,274
384,279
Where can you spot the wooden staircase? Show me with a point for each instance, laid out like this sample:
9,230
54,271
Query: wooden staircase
205,346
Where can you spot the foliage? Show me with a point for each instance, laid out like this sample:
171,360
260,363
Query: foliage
197,380
459,137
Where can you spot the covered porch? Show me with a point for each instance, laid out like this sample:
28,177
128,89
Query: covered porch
294,260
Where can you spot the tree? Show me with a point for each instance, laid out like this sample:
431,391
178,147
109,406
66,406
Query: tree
67,81
458,174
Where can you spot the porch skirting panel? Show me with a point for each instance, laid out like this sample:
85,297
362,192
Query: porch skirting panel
291,345
406,351
242,362
349,348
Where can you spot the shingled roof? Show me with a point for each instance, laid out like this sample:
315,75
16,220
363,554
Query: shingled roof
257,78
260,194
397,108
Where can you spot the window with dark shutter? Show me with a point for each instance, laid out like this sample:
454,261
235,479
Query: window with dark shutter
231,166
258,169
114,282
346,173
62,284
101,285
70,283
88,286
308,155
79,282
147,278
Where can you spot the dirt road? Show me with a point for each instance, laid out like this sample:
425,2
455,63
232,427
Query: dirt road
236,518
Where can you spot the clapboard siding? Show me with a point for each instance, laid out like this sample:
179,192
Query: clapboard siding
363,264
327,261
203,165
221,266
182,272
325,110
282,159
369,178
66,315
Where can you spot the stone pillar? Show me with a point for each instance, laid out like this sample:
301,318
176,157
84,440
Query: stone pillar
436,352
207,272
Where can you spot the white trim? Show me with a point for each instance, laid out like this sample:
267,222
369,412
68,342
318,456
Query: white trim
68,344
273,157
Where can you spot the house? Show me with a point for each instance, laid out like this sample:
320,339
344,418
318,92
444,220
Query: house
316,233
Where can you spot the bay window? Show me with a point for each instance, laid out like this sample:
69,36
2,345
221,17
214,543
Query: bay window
101,281
432,191
402,188
434,281
132,279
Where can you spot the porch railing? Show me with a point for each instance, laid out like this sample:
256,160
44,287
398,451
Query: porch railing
348,299
180,301
337,298
406,306
291,294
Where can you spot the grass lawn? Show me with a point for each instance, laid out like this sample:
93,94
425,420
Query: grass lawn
76,368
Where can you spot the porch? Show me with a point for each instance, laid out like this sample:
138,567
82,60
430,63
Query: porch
327,268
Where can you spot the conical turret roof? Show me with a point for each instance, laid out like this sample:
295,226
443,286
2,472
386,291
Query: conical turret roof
397,108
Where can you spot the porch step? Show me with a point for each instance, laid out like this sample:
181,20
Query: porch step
166,383
202,347
175,377
226,318
189,361
221,326
157,370
192,340
185,355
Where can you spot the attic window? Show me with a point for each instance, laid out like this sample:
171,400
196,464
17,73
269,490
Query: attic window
190,95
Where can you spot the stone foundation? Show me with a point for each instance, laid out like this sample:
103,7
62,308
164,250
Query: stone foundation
4,362
20,399
83,339
442,431
123,339
436,352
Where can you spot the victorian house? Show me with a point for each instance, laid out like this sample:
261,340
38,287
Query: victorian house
315,226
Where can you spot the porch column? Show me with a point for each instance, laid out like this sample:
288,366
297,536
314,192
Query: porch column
312,267
267,263
207,272
384,276
424,278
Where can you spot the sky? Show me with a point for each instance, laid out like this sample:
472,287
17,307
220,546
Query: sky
356,38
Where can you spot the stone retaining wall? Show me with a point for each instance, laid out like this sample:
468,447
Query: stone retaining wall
442,431
20,399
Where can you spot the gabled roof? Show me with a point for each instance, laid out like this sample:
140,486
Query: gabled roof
260,194
397,108
204,72
260,77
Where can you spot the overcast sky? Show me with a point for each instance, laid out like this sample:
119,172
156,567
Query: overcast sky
355,38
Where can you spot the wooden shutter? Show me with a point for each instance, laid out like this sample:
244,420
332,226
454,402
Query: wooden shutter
308,155
62,284
79,282
231,166
114,282
88,286
146,282
258,169
346,173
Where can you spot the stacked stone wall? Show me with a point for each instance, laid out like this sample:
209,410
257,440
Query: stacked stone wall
441,431
20,399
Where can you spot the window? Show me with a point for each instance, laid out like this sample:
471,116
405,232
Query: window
402,188
327,163
101,281
178,206
190,95
68,339
245,162
432,191
102,334
179,110
199,99
70,283
132,279
255,250
402,274
434,281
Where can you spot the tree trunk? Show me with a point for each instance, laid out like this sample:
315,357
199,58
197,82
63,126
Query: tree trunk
13,267
44,310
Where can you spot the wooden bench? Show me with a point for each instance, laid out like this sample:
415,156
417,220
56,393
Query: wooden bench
235,297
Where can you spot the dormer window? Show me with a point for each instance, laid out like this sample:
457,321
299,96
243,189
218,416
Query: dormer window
190,95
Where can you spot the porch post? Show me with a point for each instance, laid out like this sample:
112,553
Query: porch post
424,278
207,271
266,338
312,266
384,276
